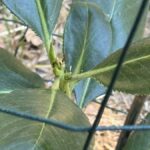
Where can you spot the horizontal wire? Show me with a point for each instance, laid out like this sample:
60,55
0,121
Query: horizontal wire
35,118
124,128
73,128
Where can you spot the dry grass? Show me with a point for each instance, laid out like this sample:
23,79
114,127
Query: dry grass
33,56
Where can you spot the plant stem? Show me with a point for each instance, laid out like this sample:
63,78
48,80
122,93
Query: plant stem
52,56
44,25
88,73
47,38
132,116
68,90
54,88
99,70
56,84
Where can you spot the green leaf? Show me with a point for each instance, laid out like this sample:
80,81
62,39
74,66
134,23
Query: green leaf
139,140
106,6
135,75
20,134
119,12
40,15
13,75
122,21
87,41
87,90
87,37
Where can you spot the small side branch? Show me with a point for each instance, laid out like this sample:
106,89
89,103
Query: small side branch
131,120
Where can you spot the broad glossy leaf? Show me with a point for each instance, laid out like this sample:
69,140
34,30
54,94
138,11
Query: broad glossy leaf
119,15
122,21
87,90
134,76
87,41
14,75
87,38
22,134
139,140
106,6
28,12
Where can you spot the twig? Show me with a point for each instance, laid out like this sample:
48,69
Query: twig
131,119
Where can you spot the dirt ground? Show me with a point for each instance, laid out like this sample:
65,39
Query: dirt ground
30,52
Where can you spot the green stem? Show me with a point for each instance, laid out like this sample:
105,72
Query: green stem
68,90
102,70
55,87
44,25
88,73
47,38
56,84
52,56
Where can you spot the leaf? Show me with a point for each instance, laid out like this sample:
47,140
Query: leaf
139,140
135,75
87,90
106,6
87,38
121,19
20,134
40,15
13,75
87,41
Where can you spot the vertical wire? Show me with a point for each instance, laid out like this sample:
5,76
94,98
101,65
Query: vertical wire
115,74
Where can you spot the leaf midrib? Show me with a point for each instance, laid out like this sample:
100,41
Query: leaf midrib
52,99
113,10
86,87
92,5
108,68
128,62
83,50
